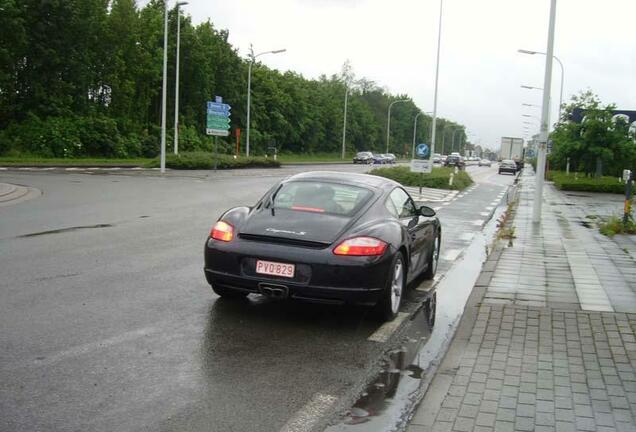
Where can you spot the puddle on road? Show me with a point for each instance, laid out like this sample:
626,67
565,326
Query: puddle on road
388,401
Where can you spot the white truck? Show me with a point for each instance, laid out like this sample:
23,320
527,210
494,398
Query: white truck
511,148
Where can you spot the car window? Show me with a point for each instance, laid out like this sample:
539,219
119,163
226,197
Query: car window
321,197
400,204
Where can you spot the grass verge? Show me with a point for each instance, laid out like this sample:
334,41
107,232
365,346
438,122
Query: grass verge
614,225
579,182
437,179
204,161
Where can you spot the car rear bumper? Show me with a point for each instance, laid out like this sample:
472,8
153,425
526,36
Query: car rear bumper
510,170
320,276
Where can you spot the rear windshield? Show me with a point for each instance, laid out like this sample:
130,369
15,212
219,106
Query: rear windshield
321,197
363,154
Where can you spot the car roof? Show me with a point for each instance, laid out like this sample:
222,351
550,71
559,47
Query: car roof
353,179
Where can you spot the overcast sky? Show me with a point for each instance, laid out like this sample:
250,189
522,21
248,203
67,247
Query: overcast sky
394,43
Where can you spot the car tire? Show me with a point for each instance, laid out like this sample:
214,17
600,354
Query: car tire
433,259
228,293
391,300
430,309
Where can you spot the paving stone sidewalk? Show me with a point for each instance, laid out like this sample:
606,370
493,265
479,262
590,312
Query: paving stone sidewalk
548,338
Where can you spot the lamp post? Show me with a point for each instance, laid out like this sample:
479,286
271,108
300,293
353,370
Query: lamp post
176,87
388,121
344,123
439,43
164,89
453,143
253,58
545,112
415,131
522,51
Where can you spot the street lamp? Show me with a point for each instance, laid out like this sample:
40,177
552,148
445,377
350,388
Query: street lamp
388,121
545,114
253,58
522,51
439,43
164,89
415,130
176,91
344,125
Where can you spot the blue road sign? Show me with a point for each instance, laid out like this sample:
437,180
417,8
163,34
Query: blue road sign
218,117
422,151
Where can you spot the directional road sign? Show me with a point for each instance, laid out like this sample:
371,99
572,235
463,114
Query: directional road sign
218,118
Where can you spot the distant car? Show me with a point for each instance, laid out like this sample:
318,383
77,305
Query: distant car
443,158
508,166
380,159
484,162
455,161
326,237
437,158
363,158
390,157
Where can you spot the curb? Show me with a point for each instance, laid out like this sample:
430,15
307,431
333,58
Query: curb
439,384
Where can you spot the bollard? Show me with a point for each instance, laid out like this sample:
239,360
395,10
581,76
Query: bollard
567,167
628,176
450,179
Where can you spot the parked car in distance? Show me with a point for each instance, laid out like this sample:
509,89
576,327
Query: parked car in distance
363,158
484,162
508,166
455,161
380,159
390,157
326,237
437,158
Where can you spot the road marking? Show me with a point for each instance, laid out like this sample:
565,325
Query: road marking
451,255
97,345
490,208
446,203
307,417
436,208
468,236
478,222
484,214
387,329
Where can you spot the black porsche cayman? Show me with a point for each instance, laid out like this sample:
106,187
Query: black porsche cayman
325,237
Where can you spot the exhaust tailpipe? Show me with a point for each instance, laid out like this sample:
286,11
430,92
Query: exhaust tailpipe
273,290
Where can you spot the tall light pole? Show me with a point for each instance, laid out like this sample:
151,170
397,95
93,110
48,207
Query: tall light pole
522,51
388,121
545,113
176,87
415,131
344,123
439,43
164,89
253,58
453,143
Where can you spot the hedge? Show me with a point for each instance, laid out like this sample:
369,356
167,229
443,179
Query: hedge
437,179
204,161
579,182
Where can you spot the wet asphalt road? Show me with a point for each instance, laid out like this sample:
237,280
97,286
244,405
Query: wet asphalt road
107,323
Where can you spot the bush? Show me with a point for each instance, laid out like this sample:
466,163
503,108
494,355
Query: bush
579,182
437,179
614,225
204,161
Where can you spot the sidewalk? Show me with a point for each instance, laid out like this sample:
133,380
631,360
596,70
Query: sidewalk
547,341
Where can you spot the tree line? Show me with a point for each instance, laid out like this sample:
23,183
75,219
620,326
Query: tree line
84,77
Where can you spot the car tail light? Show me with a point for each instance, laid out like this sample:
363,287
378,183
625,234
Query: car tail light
222,231
361,246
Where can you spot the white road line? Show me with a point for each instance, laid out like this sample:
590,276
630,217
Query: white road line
3,169
478,222
468,236
307,417
484,214
436,208
446,203
451,254
387,329
490,208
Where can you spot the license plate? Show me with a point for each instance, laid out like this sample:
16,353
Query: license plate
275,268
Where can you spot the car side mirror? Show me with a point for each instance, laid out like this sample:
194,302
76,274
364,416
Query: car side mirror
426,211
